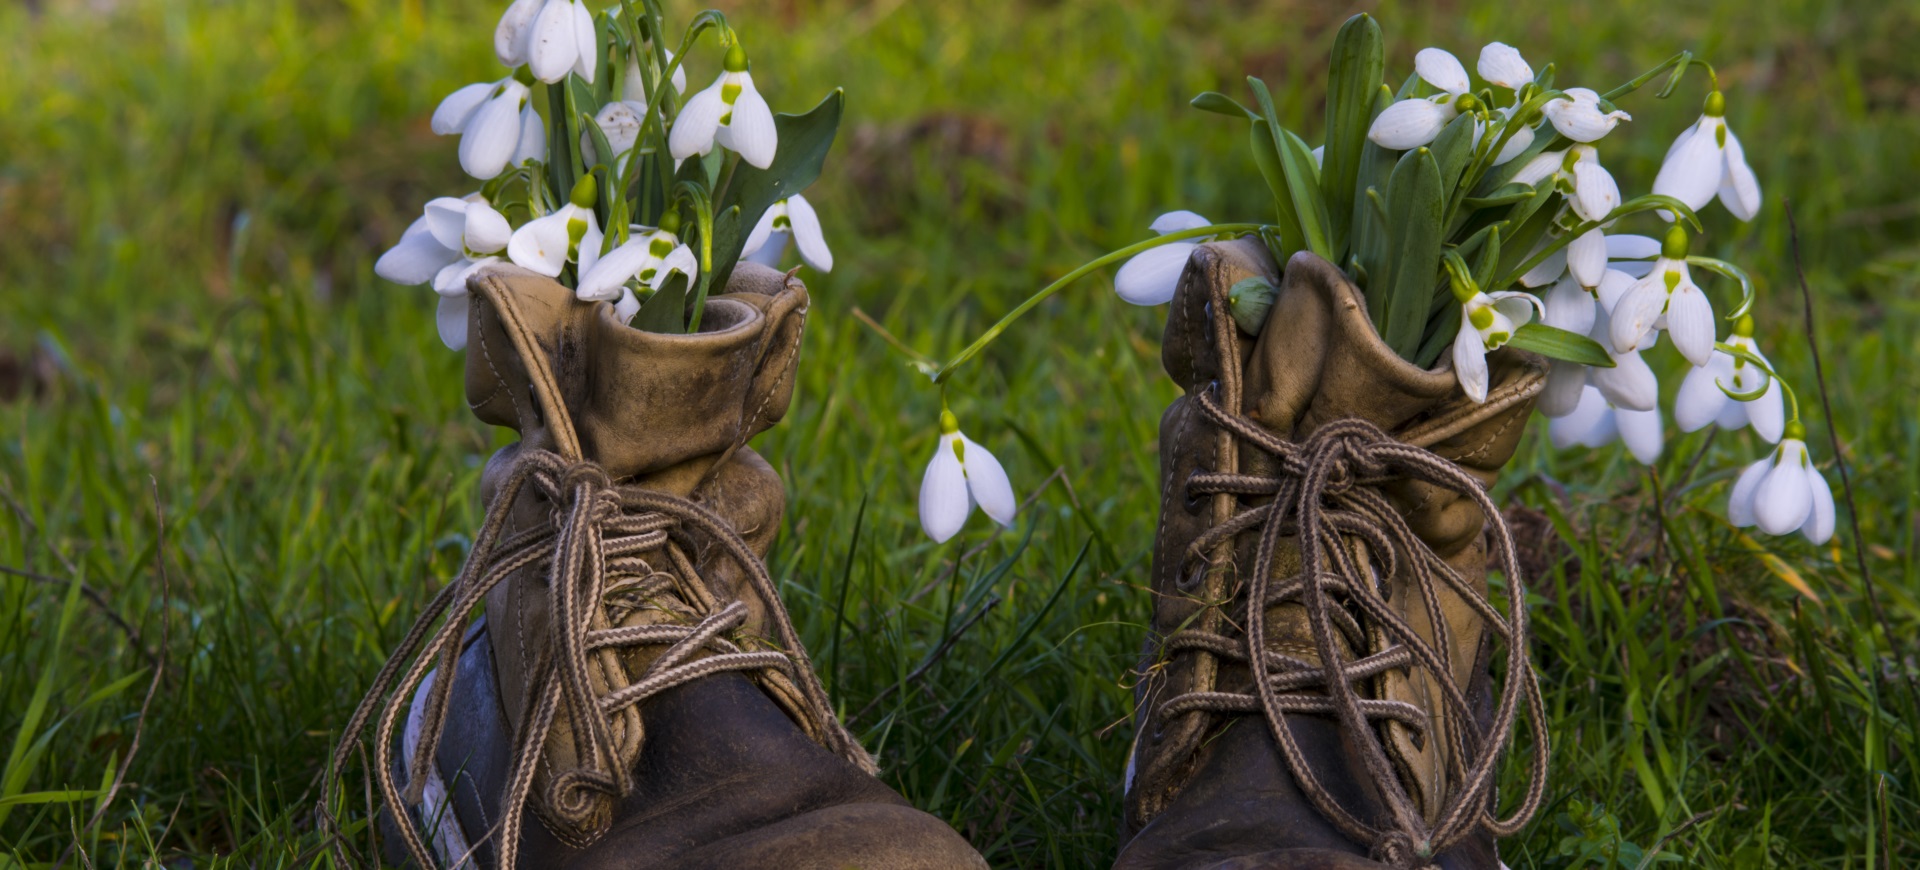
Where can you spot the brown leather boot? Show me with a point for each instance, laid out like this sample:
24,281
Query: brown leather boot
636,683
1369,733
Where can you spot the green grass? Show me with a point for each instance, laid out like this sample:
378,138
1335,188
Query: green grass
192,195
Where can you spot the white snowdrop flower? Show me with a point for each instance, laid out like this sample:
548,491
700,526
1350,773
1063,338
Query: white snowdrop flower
1630,384
1706,159
1595,194
1569,306
1414,122
489,119
651,255
619,121
1152,276
1784,493
1578,116
634,89
1702,399
510,38
1487,323
1547,270
1668,290
961,475
729,112
791,218
455,238
1502,65
563,40
571,234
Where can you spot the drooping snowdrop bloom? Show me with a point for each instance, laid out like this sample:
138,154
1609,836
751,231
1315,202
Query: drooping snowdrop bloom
510,38
650,255
571,234
1414,122
1502,65
961,475
791,218
1706,160
1487,323
1667,289
1578,115
490,118
452,240
1595,423
1152,276
561,40
1589,188
1703,398
729,112
1784,493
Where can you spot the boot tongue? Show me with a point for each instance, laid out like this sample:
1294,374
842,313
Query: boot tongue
1319,359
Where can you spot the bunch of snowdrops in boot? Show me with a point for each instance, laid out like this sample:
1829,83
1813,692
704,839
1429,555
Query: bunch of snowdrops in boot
598,171
1473,219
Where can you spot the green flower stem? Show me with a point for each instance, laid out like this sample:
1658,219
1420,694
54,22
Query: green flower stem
979,344
1729,270
1752,359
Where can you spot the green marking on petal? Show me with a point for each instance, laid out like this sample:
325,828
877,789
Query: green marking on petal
1481,317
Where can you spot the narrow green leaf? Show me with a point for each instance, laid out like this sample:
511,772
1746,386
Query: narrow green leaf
804,143
1555,343
666,310
1221,104
1441,331
1358,64
1266,155
1489,263
1303,182
1272,138
1415,201
48,797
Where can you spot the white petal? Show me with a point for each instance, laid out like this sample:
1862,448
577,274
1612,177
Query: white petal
1548,270
1640,431
1442,70
533,138
1470,362
586,42
1152,276
1632,268
1517,308
1692,172
770,251
1410,124
627,307
1700,400
1595,194
1580,118
1175,221
681,260
698,121
988,484
1767,413
1569,307
447,220
1542,165
1630,385
1690,323
1739,189
451,320
1628,246
551,47
493,134
416,259
486,230
1732,416
1590,424
1518,144
457,109
807,235
604,280
1587,257
1634,314
1740,501
1566,383
541,244
1502,65
510,38
620,124
763,230
1319,157
1819,525
944,503
749,130
1785,495
1613,285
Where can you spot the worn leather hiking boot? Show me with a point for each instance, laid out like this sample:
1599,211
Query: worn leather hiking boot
636,683
1315,689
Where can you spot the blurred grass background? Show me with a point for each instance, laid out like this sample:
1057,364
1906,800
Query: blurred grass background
226,446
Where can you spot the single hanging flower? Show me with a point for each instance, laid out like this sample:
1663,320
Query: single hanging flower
651,255
1784,493
790,218
1502,65
1416,121
961,475
1588,187
490,118
1578,115
571,234
729,112
1707,159
1667,289
510,37
562,40
1702,398
1487,323
452,240
1152,276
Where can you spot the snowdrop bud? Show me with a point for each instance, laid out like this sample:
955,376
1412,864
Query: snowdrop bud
1587,257
620,123
1442,70
485,230
493,134
1153,275
510,38
1410,124
1502,65
1595,194
1578,116
458,108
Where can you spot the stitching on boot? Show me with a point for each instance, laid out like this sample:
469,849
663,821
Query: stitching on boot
499,380
793,351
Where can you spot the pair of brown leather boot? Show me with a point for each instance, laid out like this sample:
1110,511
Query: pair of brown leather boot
637,688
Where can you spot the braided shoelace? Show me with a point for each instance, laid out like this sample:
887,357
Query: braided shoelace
1325,495
595,556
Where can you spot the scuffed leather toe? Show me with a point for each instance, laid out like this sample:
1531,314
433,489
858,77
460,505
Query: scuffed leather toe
867,836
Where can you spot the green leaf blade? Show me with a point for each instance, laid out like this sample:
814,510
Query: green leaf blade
1359,62
1556,343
